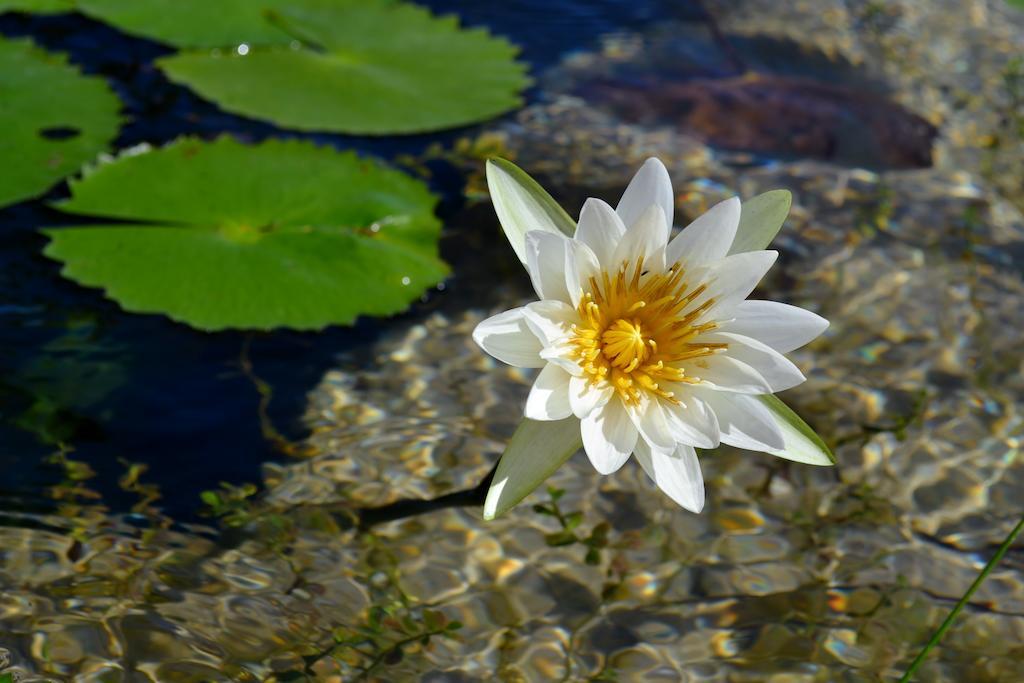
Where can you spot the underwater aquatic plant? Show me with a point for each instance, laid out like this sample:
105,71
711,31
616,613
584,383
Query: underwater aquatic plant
646,346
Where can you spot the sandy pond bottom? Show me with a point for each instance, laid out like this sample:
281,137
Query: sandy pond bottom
792,574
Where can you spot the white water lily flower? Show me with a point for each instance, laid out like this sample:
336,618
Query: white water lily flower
646,345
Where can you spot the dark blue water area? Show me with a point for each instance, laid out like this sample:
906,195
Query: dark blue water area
120,388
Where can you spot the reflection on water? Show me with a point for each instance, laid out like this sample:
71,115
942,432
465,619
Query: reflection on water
791,574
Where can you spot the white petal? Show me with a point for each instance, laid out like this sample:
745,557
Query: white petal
545,260
732,279
692,421
608,437
585,397
677,474
777,370
550,320
560,356
744,421
708,238
650,185
649,417
646,237
780,326
724,372
535,451
507,337
549,397
601,229
580,266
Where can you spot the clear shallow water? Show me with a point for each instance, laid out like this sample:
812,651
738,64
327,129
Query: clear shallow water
791,574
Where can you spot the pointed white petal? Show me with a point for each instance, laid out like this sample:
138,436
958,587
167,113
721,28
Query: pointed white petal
580,266
692,421
780,326
732,279
708,238
677,473
802,444
522,205
550,320
777,370
646,237
761,220
608,436
724,372
649,417
585,397
650,185
549,397
744,421
535,451
507,337
560,356
601,229
545,261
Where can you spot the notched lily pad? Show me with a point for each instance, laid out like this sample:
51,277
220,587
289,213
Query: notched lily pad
37,6
192,23
52,119
367,66
225,235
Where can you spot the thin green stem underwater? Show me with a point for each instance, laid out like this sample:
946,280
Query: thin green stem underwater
937,636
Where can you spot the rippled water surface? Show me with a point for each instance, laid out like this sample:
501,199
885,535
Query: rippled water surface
896,125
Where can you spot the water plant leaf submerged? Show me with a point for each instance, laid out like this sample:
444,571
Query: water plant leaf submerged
356,66
52,119
226,235
646,346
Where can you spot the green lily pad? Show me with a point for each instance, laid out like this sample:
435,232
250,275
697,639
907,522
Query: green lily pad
193,23
52,119
37,6
360,66
225,235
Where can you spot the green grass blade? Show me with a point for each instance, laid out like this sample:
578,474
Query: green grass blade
937,636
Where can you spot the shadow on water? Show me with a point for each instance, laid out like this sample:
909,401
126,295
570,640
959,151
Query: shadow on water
768,96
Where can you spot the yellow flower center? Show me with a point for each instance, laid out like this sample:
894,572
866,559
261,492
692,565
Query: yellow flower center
624,344
637,330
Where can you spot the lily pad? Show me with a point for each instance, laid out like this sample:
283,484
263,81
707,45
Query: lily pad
37,6
193,23
367,66
225,235
52,119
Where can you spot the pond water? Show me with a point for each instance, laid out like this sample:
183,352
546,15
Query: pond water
898,128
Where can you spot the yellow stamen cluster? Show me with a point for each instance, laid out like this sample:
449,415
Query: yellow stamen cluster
637,328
